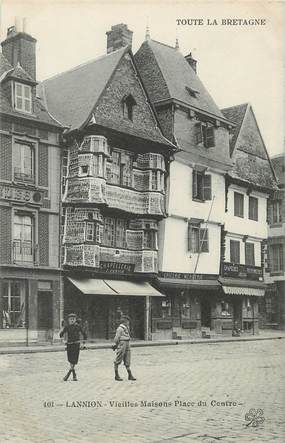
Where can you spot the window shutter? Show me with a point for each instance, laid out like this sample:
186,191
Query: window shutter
194,184
269,212
249,254
189,232
204,240
210,137
207,187
198,133
43,236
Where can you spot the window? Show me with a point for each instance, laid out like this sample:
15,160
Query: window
205,133
89,233
24,160
249,254
191,91
83,170
114,232
23,98
202,186
14,312
197,239
238,204
119,170
274,211
128,107
276,256
150,239
23,247
253,208
234,251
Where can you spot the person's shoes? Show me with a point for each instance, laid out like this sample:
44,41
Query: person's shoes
131,377
118,378
74,376
67,376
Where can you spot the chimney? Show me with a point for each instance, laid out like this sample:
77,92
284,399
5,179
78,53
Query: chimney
20,47
118,37
192,62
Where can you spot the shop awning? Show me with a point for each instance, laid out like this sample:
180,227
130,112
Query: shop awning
92,286
136,289
96,286
188,283
235,290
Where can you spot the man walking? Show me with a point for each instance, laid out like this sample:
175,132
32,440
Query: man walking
122,346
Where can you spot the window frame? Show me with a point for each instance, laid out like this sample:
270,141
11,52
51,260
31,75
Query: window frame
252,210
199,244
22,299
128,104
278,258
22,176
249,255
205,134
205,193
114,233
233,244
20,242
236,212
22,97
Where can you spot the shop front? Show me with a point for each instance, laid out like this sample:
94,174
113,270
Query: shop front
100,303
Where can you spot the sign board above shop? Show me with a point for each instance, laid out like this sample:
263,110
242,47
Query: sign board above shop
188,276
116,268
14,193
242,271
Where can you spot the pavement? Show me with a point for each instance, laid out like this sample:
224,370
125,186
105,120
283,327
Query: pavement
267,334
183,394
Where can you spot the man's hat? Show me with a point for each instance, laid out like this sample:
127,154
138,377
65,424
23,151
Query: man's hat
72,315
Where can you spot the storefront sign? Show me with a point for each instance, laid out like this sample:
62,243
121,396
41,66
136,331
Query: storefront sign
186,276
242,271
24,195
116,268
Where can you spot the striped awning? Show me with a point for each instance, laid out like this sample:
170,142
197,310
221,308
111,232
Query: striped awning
237,290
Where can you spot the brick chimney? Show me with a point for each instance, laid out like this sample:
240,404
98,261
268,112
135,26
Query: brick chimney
20,47
192,62
118,37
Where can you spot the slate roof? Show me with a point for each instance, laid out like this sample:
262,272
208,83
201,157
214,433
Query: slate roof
40,113
178,76
251,164
236,115
278,163
72,95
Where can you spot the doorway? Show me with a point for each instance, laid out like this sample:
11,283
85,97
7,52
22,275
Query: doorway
45,320
205,313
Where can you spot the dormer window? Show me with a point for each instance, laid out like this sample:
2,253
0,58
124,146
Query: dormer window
192,92
128,107
23,98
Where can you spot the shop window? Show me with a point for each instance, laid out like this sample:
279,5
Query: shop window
185,306
234,251
201,187
166,308
128,107
23,98
253,208
198,240
14,304
225,309
114,232
24,162
249,254
238,204
205,133
23,238
276,258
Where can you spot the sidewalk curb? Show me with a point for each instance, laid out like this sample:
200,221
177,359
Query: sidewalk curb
59,348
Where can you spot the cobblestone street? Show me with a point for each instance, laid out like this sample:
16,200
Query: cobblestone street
227,379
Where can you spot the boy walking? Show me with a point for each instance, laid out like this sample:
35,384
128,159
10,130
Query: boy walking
73,331
122,346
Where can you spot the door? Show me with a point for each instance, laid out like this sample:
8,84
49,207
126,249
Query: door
205,313
98,313
45,320
136,313
237,313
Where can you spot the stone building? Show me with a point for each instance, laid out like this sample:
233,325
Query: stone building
190,237
30,301
210,264
272,307
115,165
249,185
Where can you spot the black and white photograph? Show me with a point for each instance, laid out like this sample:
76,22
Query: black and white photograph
142,221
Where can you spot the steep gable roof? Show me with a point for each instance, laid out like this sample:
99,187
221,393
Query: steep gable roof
178,77
251,161
278,163
236,115
72,95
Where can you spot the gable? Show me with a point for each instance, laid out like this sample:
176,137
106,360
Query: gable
249,139
108,111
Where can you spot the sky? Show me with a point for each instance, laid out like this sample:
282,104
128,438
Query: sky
236,63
